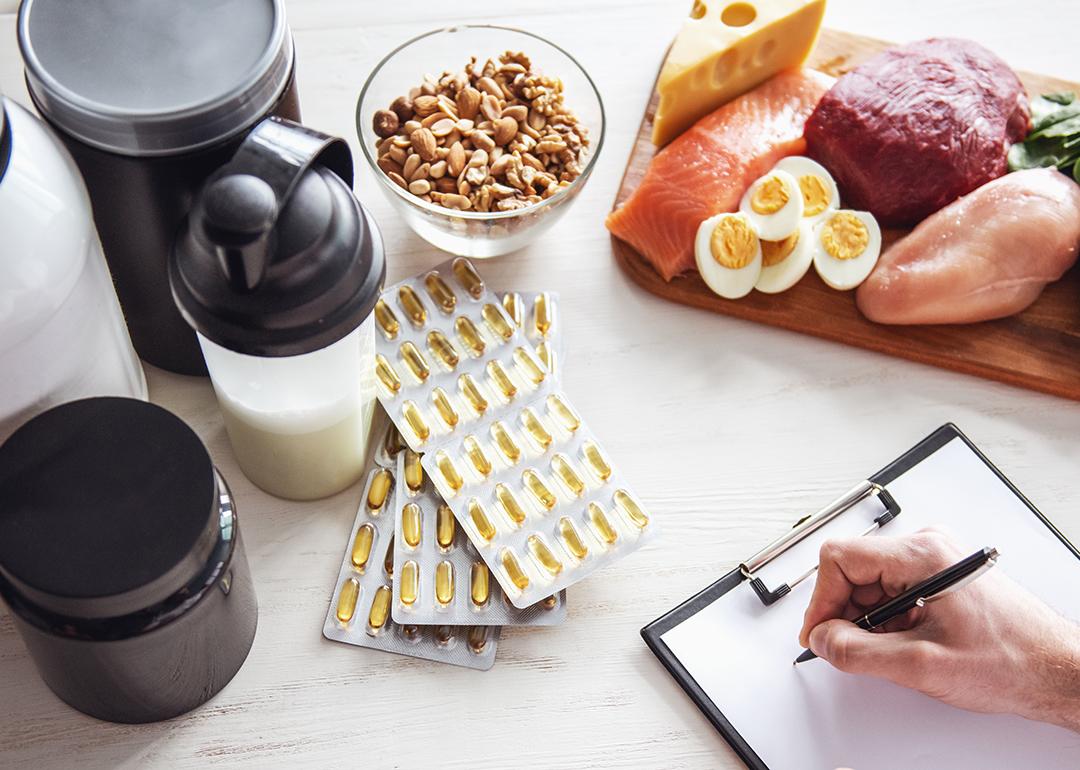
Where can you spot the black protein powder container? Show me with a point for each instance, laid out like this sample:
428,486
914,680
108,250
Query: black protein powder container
150,97
121,560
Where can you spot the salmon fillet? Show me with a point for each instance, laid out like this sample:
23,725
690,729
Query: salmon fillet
707,169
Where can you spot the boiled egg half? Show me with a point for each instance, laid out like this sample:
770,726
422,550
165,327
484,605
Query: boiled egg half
774,205
728,254
784,263
846,248
819,192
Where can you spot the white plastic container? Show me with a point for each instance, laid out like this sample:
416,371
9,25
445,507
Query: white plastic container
278,268
62,334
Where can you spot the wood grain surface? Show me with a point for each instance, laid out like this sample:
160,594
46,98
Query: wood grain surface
728,430
1038,348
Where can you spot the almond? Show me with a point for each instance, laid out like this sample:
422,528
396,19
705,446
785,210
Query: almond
423,141
505,130
468,103
425,104
455,161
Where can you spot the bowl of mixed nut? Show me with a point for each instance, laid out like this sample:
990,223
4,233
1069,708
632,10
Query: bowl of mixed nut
480,136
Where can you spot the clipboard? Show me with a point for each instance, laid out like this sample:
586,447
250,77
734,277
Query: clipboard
703,677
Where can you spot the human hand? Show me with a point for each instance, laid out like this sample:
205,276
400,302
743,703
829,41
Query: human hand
990,647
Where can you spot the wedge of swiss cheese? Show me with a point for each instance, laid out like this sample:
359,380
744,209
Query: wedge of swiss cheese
726,48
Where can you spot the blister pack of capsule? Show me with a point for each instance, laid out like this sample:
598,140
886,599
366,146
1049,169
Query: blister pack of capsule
449,355
536,313
360,609
523,474
439,578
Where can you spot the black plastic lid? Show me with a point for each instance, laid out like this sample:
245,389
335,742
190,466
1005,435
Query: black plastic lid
107,507
153,77
5,139
277,257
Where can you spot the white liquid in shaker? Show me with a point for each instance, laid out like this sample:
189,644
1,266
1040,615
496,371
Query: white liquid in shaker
299,425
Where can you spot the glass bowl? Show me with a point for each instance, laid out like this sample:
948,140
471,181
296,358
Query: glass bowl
475,233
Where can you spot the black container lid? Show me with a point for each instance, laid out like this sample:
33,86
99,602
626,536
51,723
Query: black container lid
5,139
153,77
277,257
107,506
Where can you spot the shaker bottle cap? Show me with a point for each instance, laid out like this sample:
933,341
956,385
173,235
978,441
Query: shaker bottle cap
277,257
5,138
108,506
154,77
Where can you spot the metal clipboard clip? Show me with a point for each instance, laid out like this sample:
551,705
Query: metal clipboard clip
811,524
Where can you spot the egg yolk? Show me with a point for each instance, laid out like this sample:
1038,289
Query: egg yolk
775,252
769,196
815,194
844,236
733,242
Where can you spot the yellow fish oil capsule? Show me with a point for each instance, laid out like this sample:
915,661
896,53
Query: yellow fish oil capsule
596,460
572,538
443,635
415,360
514,307
392,442
543,314
479,583
444,526
379,489
563,414
513,569
440,293
444,582
380,608
469,336
346,603
444,407
505,442
386,319
547,355
501,379
410,582
480,520
549,602
411,412
541,491
414,471
411,524
412,306
630,507
449,471
477,637
411,633
535,428
467,276
388,562
602,524
543,555
508,500
361,547
477,456
497,322
467,386
386,374
564,469
529,366
442,349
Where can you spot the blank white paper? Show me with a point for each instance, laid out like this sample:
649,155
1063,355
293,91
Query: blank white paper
813,716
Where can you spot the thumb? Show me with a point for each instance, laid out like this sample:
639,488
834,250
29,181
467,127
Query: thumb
851,649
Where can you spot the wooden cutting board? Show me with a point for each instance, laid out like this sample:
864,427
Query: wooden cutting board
1037,349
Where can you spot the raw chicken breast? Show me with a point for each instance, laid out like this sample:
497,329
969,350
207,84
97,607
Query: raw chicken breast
987,255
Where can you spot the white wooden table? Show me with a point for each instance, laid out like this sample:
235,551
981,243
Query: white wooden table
728,431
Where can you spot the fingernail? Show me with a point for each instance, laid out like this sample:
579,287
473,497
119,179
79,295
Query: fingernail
817,640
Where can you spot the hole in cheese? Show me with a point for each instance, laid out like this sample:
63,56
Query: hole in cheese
765,53
699,10
724,67
738,14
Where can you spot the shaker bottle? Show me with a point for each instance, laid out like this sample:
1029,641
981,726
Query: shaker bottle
278,269
150,97
121,560
62,335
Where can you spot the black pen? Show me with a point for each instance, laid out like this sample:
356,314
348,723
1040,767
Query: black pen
941,584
